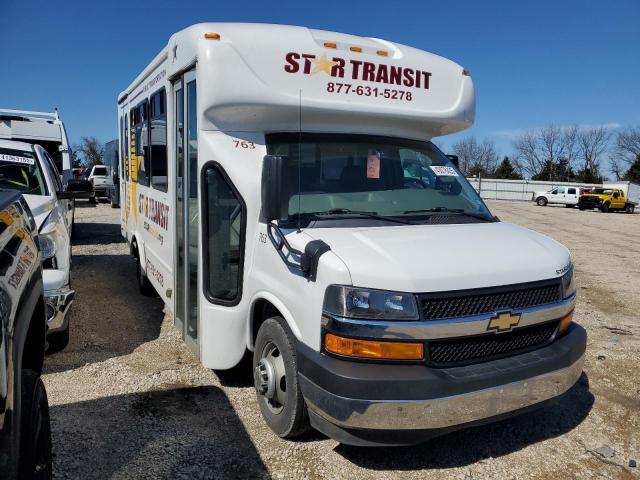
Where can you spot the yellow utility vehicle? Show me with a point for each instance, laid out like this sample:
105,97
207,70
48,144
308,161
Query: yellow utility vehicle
606,200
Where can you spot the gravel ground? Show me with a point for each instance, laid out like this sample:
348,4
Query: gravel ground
129,400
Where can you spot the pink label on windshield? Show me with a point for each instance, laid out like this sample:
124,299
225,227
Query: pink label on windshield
373,166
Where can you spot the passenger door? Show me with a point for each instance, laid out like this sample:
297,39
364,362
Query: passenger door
572,196
187,245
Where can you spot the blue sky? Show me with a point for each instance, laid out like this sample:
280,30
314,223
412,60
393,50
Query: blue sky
533,63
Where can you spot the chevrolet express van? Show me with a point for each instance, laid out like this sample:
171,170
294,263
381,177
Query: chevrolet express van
280,193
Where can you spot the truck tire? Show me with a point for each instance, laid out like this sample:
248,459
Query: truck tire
275,373
605,207
57,341
569,205
542,201
35,429
629,208
144,285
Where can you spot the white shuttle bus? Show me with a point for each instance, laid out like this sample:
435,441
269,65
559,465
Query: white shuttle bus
281,194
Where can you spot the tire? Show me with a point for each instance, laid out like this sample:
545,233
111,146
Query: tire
629,208
57,341
93,199
605,207
569,205
35,429
582,209
542,201
281,403
144,285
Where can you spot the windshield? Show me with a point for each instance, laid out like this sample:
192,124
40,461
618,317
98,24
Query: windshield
405,180
100,171
19,170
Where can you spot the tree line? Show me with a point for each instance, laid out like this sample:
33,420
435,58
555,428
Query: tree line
553,153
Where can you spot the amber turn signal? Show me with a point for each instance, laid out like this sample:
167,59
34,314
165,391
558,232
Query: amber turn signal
565,322
351,347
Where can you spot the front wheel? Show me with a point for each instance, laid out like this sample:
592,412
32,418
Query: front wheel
57,341
275,374
542,201
35,428
605,207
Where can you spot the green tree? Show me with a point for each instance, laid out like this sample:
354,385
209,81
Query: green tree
633,174
505,170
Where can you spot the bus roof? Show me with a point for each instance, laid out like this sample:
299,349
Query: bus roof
260,77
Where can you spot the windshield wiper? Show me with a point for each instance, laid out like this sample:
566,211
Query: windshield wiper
457,211
361,213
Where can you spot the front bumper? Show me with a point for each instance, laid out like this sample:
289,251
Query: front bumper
57,305
589,203
383,404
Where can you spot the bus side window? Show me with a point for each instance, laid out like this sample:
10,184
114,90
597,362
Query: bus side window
158,140
142,143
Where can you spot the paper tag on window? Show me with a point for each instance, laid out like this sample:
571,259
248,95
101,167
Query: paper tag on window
373,166
443,171
17,159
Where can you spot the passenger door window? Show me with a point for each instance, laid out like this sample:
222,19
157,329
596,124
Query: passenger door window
223,237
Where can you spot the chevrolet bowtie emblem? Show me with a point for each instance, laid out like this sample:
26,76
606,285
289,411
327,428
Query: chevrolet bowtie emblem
503,322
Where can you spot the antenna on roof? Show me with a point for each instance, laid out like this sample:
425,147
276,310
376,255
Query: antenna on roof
55,110
299,158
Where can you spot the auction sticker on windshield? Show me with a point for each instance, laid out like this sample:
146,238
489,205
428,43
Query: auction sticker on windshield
17,159
443,171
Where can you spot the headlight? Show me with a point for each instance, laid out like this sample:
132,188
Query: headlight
568,283
355,302
47,246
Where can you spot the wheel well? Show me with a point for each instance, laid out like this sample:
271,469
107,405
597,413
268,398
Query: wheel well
262,310
34,344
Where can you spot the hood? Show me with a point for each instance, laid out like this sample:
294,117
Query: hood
429,258
41,206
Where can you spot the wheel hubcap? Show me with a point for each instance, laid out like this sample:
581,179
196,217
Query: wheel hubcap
269,378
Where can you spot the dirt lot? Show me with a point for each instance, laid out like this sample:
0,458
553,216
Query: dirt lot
129,400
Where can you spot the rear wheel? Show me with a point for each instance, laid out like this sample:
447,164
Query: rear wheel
144,285
569,205
542,201
35,429
275,373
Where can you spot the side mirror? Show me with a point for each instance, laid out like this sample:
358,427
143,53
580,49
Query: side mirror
454,159
275,188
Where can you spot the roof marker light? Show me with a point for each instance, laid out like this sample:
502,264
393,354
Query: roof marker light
466,72
212,36
356,49
382,53
330,45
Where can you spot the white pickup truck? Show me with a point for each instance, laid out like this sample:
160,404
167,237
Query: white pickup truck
28,169
101,181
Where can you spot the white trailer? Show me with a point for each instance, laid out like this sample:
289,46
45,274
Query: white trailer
42,128
281,194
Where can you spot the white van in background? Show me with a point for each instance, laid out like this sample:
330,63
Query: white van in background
567,196
30,170
42,128
280,192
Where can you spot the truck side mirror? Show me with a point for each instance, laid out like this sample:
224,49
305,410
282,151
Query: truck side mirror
275,188
454,159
